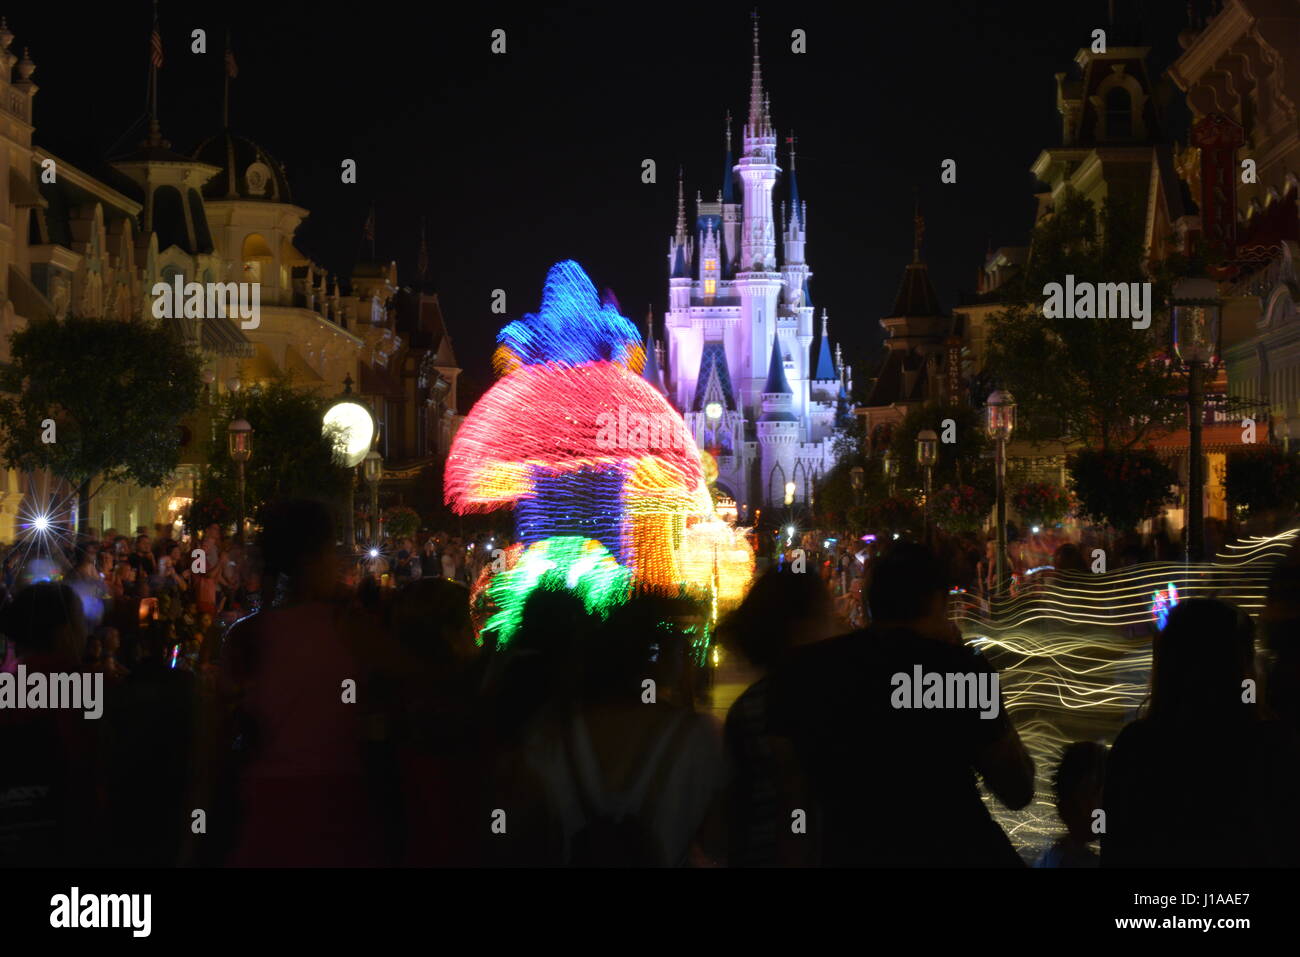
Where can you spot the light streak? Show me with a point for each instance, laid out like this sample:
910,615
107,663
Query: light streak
1073,651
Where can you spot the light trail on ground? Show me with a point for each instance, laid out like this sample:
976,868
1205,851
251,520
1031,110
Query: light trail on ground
1074,654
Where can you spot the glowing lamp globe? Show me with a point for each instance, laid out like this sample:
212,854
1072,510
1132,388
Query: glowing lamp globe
1000,415
353,428
1197,325
927,447
713,410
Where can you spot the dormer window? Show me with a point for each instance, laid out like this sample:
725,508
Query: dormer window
1119,114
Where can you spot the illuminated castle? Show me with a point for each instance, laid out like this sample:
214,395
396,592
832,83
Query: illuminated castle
741,330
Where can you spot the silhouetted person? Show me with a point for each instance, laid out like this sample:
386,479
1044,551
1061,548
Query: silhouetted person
610,777
782,611
541,661
148,758
895,786
296,679
1077,786
1201,780
1281,624
441,747
48,757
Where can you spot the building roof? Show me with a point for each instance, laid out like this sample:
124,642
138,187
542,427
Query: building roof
825,367
902,378
916,297
239,159
776,380
219,335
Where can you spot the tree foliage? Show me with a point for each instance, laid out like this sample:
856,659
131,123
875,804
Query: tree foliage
1263,479
291,457
116,391
965,461
1099,382
1121,487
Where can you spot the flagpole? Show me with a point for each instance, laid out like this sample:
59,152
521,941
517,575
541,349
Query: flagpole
225,100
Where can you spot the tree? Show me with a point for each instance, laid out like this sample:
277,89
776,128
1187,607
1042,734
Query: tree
1121,487
291,457
964,461
116,392
1264,479
1098,382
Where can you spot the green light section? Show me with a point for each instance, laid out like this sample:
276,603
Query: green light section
582,565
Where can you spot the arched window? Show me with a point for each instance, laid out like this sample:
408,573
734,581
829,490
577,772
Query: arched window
169,219
1119,114
202,237
776,486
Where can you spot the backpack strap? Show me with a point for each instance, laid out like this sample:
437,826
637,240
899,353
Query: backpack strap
587,777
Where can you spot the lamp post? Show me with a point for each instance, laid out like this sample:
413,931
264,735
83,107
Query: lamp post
372,467
1197,334
890,464
713,414
350,426
927,453
1000,422
239,435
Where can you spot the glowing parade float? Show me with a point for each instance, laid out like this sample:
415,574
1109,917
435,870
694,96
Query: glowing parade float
609,493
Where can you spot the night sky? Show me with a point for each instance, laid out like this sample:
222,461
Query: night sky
521,160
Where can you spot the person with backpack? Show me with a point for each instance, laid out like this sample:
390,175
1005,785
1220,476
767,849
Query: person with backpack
622,780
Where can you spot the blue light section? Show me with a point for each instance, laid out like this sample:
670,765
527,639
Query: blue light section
573,326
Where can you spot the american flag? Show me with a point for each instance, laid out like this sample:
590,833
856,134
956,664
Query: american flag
155,43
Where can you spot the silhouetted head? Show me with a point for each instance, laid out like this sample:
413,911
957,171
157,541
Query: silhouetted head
430,618
297,542
1078,784
1069,558
554,620
909,587
1281,616
782,610
46,618
1199,662
641,639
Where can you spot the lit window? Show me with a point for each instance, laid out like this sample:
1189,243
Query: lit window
710,287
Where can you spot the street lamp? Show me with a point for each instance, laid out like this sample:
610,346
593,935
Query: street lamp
1000,422
350,425
239,434
372,467
890,464
1197,335
927,453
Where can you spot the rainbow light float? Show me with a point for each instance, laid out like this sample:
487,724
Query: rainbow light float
609,494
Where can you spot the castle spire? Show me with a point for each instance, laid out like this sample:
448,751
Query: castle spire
756,99
681,205
825,368
422,263
918,231
728,174
796,209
